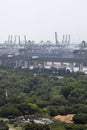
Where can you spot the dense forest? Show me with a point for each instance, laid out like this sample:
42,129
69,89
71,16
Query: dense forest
43,95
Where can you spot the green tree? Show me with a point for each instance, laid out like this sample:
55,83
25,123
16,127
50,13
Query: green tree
80,118
3,126
34,126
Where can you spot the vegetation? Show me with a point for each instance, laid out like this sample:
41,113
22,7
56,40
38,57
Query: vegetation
29,126
80,118
56,125
43,95
3,126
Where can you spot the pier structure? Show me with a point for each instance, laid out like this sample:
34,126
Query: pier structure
26,54
27,62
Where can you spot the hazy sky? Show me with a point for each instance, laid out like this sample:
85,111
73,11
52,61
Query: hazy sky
39,19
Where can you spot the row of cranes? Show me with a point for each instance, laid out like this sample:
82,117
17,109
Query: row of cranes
16,41
65,40
62,49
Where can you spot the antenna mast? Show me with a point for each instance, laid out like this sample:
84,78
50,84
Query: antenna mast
6,94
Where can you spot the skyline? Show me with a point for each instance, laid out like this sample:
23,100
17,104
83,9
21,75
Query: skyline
39,20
